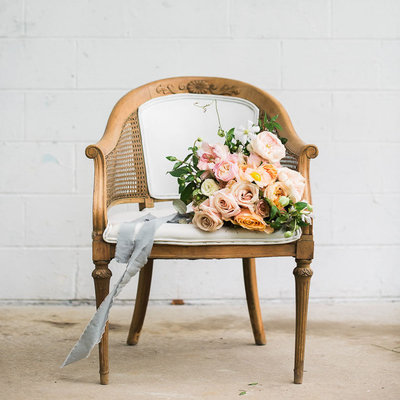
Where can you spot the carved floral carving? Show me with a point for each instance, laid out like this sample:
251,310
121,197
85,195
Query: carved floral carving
303,271
198,86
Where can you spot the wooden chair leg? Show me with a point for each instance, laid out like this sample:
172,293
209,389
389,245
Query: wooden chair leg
101,276
253,302
142,299
303,274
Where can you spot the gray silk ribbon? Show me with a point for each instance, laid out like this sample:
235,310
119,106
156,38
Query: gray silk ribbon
134,250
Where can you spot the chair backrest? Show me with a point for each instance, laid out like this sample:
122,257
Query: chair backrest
164,118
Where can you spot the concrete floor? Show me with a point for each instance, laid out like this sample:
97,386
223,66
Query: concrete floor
197,352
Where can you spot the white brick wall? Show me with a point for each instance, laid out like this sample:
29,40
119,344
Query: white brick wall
334,64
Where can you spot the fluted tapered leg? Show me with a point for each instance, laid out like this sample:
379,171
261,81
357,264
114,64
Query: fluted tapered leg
253,302
101,276
142,299
302,274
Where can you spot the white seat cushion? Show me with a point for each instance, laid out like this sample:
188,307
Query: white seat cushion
188,234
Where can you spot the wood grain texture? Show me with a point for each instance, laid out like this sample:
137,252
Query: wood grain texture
142,299
253,302
302,274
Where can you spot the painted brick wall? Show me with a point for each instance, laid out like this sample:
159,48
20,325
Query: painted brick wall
335,65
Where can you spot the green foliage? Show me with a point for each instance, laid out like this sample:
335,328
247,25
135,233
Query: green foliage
290,217
188,175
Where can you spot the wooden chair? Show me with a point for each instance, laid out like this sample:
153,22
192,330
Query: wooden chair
121,177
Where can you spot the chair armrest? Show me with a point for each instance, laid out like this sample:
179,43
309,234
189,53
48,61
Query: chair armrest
96,152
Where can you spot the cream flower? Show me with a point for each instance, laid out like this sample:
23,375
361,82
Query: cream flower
268,146
209,187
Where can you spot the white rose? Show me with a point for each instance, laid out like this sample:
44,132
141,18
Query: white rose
209,187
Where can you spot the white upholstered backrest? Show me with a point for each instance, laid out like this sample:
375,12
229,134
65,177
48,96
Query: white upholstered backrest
170,124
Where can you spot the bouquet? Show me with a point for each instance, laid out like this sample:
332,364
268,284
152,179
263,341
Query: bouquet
241,182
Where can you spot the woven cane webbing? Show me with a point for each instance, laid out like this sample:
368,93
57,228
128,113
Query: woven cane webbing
126,173
290,160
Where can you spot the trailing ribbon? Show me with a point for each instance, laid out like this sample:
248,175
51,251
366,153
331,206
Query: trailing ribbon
134,250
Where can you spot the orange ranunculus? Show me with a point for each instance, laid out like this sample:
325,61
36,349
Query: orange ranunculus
250,221
271,169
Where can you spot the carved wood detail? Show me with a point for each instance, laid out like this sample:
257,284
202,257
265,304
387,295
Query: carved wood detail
198,86
303,268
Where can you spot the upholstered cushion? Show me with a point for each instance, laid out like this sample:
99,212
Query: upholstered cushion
188,234
170,124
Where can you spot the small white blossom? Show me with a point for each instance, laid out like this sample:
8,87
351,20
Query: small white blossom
245,135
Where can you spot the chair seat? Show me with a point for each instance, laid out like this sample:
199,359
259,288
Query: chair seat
189,235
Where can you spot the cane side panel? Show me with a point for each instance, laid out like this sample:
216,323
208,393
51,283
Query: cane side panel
126,173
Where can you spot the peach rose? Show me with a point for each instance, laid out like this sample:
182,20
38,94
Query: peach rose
268,146
294,181
225,171
275,191
225,203
207,221
250,221
262,208
245,194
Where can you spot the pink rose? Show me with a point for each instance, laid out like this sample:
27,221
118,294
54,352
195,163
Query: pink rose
268,146
209,155
207,220
254,161
208,205
221,151
225,171
294,181
245,194
225,203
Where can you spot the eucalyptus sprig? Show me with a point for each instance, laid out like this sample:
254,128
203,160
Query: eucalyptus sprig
188,175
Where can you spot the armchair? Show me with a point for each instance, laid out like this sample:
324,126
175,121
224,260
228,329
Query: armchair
124,174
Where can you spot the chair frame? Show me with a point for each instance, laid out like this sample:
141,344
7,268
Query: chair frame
103,252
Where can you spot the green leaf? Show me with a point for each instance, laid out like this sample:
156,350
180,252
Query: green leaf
187,157
300,205
274,210
274,118
177,164
283,140
179,171
253,384
187,193
242,393
171,158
